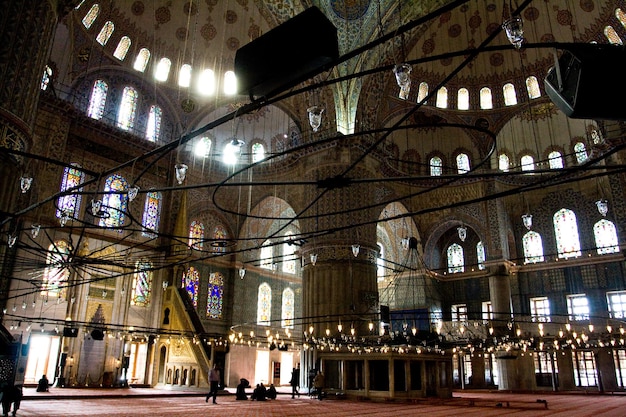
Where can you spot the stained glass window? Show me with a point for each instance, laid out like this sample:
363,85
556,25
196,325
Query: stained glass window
98,99
435,166
266,255
128,108
142,284
122,48
455,259
184,76
480,255
153,129
258,152
105,33
46,78
566,231
528,163
532,86
219,234
141,62
510,98
215,296
288,309
196,235
555,160
91,15
486,99
612,36
56,274
605,234
581,152
422,92
462,163
462,100
230,83
264,305
206,82
442,98
191,280
503,162
114,201
162,71
289,250
70,204
621,16
151,214
533,247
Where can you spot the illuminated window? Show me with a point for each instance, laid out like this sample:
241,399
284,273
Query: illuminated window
380,263
616,301
528,163
141,62
288,309
462,163
459,312
462,99
289,258
215,296
480,255
56,274
153,129
115,201
510,97
621,16
422,92
258,152
266,255
540,309
162,71
581,152
70,203
612,36
578,307
122,48
503,162
98,99
605,234
486,99
264,305
151,214
184,76
46,78
566,231
206,82
533,247
555,160
455,259
436,166
91,16
105,33
532,86
191,280
219,236
128,109
196,235
442,98
142,284
230,83
203,147
487,310
585,374
231,153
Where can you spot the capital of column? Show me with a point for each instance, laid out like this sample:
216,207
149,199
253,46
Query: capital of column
502,267
338,252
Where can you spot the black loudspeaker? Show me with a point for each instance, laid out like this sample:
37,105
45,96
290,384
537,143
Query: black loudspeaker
588,81
292,52
384,314
63,359
97,334
70,332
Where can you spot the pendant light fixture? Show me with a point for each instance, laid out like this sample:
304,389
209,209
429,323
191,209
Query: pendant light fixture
462,230
181,172
25,183
315,117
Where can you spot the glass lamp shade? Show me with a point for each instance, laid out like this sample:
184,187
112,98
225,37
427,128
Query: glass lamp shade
64,218
313,258
25,183
315,117
603,206
355,250
181,172
132,192
242,272
462,230
403,78
11,239
527,219
96,205
34,231
514,28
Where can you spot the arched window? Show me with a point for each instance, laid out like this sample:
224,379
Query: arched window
91,16
288,309
55,275
122,48
46,78
153,129
463,99
191,280
480,255
258,152
422,92
581,152
151,214
162,71
142,284
266,255
184,75
141,62
231,152
605,234
220,236
442,98
435,166
203,147
612,36
115,201
380,263
555,160
289,254
264,305
503,162
128,109
486,99
532,86
462,163
215,296
533,247
105,33
70,204
566,232
206,82
98,99
528,163
230,83
455,259
196,235
510,98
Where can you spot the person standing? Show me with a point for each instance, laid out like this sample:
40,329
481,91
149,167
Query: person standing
318,383
295,382
214,382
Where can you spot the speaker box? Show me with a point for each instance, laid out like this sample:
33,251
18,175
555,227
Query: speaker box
384,314
591,81
285,56
70,332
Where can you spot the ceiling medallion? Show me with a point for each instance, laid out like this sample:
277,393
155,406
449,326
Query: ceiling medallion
188,105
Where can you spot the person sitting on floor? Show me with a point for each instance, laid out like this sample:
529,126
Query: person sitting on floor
43,384
271,392
259,393
241,389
